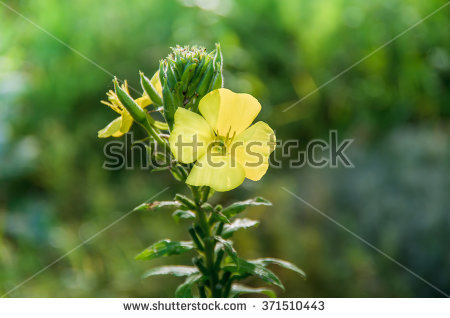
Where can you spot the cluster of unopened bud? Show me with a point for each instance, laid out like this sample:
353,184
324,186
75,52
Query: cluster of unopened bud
188,74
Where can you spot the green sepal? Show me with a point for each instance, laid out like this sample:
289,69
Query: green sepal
187,76
171,77
169,105
205,82
217,81
176,69
199,72
148,87
218,58
162,72
199,69
164,248
128,102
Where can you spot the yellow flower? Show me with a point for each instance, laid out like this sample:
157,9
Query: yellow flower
122,124
224,145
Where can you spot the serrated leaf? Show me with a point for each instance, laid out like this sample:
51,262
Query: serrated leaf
269,260
238,207
165,248
185,290
243,267
175,270
228,246
238,289
237,224
183,215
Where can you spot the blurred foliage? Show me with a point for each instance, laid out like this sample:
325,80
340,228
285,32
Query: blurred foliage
54,193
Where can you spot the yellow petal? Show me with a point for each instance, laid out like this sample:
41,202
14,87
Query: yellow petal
127,121
221,173
190,136
229,113
112,129
112,106
156,83
253,147
143,101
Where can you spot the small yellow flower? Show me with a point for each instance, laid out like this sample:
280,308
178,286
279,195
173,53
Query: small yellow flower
224,145
122,124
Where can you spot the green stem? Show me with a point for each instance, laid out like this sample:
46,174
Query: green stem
209,242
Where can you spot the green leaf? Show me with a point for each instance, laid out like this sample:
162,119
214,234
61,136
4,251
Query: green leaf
175,270
157,205
238,207
164,248
188,203
185,289
228,246
183,215
268,260
242,267
238,289
238,224
218,216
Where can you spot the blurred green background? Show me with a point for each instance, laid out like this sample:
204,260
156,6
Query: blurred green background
395,105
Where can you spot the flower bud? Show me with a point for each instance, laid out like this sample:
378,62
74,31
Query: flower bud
150,90
186,75
128,102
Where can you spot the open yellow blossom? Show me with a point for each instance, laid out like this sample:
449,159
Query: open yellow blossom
224,146
122,124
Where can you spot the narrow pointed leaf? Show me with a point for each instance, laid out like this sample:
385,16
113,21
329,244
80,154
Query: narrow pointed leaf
238,207
243,267
175,270
157,205
165,248
185,289
183,215
218,216
237,224
238,289
228,247
268,261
